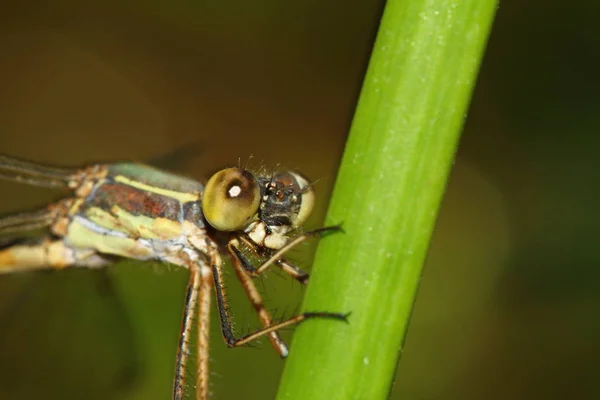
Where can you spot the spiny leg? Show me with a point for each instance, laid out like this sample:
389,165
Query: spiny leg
206,282
226,327
292,321
277,257
255,298
293,243
292,270
183,348
222,304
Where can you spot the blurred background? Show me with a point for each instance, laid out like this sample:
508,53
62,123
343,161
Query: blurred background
509,300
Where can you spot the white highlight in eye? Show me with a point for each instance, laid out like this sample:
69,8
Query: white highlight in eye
234,191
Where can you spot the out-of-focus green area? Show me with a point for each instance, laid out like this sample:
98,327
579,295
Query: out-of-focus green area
508,303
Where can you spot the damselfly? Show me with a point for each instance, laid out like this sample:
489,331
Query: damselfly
127,210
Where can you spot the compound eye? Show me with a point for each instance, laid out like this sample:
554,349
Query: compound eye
231,199
307,200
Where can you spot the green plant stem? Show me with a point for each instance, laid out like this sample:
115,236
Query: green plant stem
388,191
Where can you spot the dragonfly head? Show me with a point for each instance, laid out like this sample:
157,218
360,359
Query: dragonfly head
287,201
265,208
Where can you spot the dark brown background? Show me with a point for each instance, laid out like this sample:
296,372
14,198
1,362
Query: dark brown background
509,301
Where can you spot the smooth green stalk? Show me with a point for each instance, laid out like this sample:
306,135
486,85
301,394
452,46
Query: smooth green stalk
387,195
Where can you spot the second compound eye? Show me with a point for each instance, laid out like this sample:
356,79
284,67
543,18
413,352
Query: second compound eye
231,199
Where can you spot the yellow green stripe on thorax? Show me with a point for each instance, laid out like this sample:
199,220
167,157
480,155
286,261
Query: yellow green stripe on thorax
182,197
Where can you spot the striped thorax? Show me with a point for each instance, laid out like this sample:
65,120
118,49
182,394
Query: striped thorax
128,210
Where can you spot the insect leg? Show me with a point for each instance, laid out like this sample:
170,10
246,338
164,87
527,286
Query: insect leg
183,348
197,296
277,257
284,324
293,243
255,298
226,327
292,270
206,282
45,253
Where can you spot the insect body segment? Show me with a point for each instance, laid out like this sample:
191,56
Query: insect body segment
135,211
47,253
125,215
